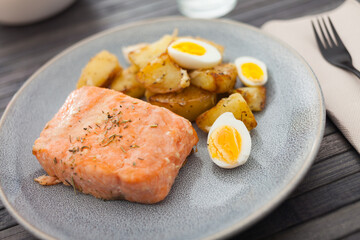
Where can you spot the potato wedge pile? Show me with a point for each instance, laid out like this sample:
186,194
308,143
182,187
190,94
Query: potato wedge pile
162,75
200,95
189,103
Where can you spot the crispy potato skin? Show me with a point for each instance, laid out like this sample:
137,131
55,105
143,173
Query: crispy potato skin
143,55
220,79
100,70
236,104
163,75
132,48
148,94
125,82
188,103
254,96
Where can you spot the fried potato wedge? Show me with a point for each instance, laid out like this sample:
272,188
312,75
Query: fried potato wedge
125,82
254,96
188,103
148,94
143,55
163,75
100,70
220,79
236,104
132,48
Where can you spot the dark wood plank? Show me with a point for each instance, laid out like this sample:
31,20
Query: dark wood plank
330,127
16,233
4,102
328,171
352,236
6,220
335,225
10,89
331,145
310,205
15,77
264,11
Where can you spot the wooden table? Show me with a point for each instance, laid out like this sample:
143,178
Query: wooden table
326,205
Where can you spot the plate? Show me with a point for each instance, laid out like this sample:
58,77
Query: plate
206,202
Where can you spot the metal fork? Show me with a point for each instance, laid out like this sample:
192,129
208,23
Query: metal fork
334,53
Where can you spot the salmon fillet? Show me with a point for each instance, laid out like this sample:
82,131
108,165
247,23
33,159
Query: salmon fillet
113,146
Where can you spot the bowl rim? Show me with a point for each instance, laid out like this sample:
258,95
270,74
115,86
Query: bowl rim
244,223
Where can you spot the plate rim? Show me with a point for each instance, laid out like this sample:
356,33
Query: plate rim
244,223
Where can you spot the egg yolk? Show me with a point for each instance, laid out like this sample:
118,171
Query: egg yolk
252,71
225,144
191,48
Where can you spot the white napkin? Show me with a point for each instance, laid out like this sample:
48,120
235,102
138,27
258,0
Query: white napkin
341,89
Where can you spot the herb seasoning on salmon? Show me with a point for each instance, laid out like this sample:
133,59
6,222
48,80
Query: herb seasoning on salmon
133,154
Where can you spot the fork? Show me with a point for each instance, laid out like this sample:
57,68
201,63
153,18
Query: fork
334,53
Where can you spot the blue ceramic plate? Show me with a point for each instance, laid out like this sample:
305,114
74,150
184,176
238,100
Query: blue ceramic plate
206,202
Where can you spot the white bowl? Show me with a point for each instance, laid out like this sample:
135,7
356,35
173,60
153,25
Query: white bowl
20,12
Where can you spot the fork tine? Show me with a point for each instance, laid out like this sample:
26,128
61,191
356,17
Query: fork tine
331,40
321,46
338,39
326,42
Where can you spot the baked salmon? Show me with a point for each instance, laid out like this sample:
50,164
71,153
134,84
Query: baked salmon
112,146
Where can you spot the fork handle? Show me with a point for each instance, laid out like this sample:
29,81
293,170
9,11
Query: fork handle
356,72
352,69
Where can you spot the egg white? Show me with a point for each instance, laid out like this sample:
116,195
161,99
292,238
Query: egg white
229,120
247,82
211,58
